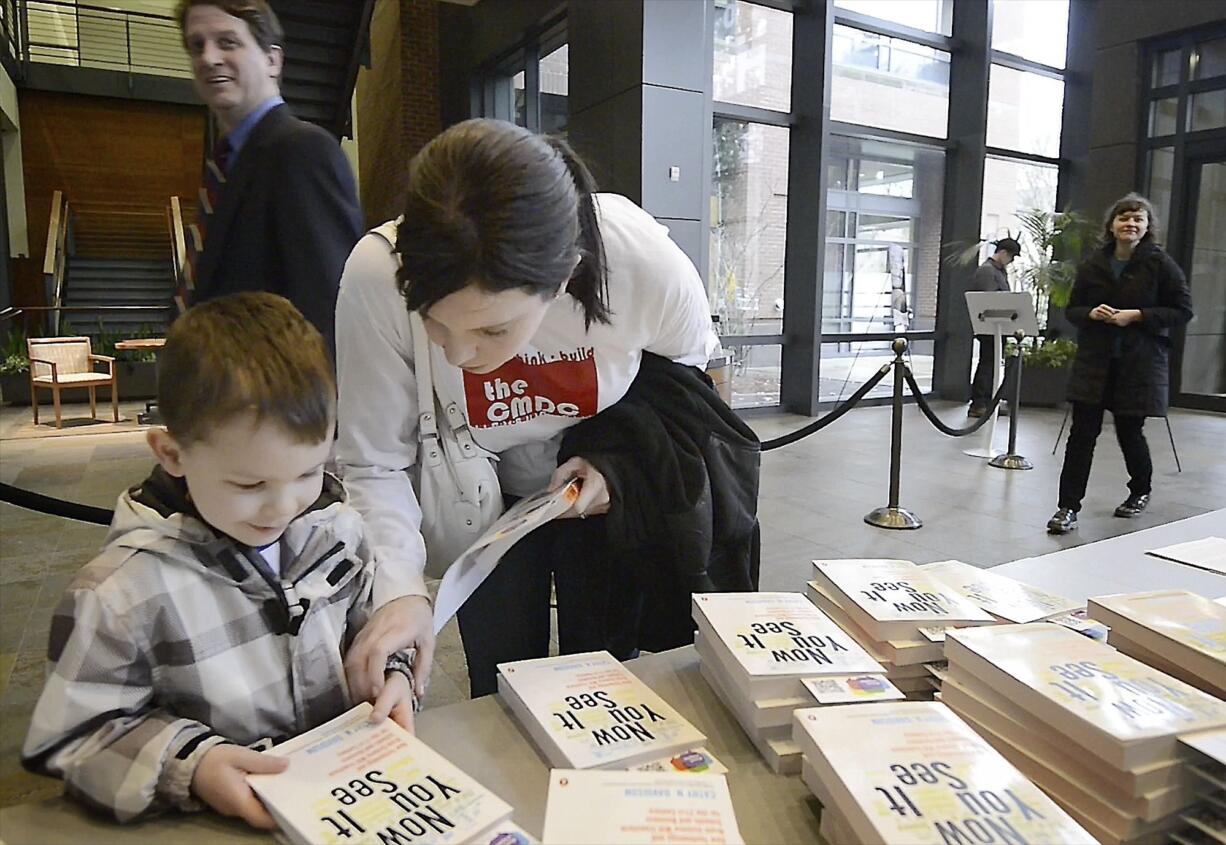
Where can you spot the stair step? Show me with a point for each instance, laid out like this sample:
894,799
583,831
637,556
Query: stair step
100,283
119,262
322,54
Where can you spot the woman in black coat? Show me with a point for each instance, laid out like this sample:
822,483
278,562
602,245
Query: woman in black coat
1126,299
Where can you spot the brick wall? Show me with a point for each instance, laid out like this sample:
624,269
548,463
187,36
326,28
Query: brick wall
397,101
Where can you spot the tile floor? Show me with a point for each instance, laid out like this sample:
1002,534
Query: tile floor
814,495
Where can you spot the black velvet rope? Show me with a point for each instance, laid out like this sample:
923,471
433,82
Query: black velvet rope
818,424
924,407
54,507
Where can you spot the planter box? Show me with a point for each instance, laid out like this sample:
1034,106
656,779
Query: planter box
137,380
1045,386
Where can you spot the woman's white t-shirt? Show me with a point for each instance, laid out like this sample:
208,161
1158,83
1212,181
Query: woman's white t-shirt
570,372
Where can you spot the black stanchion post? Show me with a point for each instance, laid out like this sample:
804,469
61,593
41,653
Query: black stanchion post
1011,459
892,516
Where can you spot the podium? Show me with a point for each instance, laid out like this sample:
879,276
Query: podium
998,313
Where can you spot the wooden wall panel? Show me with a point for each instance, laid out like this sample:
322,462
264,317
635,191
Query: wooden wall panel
129,155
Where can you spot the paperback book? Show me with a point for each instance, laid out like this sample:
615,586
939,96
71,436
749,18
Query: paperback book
472,567
767,642
1005,598
362,783
638,807
589,711
924,644
1183,632
890,599
913,772
1123,711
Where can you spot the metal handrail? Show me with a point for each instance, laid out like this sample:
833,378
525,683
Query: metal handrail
55,256
85,35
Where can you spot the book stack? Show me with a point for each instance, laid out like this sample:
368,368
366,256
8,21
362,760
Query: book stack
638,807
913,772
897,612
1007,599
1095,729
1206,752
1178,632
588,711
361,783
759,650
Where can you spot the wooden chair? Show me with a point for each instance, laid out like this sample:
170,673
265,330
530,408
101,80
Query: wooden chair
58,363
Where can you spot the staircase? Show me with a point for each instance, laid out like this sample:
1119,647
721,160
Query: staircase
324,42
95,282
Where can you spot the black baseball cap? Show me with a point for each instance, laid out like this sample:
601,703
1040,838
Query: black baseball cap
1009,245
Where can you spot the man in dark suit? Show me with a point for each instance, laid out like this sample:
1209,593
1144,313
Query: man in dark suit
280,208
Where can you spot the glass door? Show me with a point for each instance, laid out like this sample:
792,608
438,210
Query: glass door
1201,373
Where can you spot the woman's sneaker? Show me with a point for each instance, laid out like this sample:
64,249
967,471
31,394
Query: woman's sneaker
1062,521
1132,506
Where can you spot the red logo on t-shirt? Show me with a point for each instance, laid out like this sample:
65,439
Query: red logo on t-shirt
530,386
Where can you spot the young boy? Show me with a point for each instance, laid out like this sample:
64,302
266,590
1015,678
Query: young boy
233,579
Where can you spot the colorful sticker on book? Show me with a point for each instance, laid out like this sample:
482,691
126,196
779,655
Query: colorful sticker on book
1080,622
693,762
844,689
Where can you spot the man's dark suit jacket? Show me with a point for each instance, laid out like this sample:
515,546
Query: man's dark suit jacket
286,221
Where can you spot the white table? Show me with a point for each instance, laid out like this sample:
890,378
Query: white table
1120,564
484,740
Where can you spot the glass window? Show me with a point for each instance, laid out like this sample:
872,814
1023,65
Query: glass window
1010,187
520,99
928,15
1207,110
755,375
753,56
1204,352
1209,59
1166,68
1161,170
848,364
889,83
555,86
1162,116
884,239
1033,29
1024,111
748,226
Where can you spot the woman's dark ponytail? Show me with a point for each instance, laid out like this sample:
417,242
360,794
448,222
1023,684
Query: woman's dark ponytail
590,283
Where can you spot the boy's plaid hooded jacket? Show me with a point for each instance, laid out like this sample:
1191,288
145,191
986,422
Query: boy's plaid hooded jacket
176,638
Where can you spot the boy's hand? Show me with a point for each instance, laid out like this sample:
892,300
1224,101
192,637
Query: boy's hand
395,700
220,781
404,623
1102,313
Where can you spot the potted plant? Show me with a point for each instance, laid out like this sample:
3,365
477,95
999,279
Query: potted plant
1045,369
14,369
135,370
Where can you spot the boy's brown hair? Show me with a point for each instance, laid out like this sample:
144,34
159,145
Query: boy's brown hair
245,353
259,16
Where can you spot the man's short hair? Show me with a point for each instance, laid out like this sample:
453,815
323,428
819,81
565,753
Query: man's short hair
1009,245
260,18
247,353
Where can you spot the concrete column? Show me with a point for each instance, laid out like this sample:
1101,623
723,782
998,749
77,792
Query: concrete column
640,114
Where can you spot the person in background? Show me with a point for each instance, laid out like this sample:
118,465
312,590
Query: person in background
279,210
990,276
1125,300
